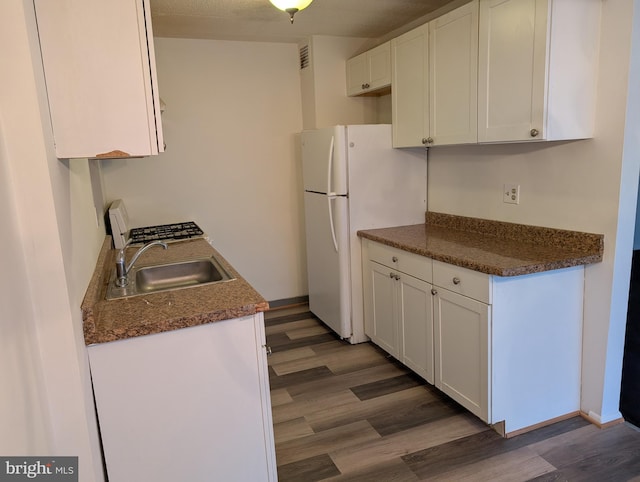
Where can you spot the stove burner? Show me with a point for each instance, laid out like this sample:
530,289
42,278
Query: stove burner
165,232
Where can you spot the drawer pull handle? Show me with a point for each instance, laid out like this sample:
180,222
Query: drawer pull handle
434,291
394,259
456,280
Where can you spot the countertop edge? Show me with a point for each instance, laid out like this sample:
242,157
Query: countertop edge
172,324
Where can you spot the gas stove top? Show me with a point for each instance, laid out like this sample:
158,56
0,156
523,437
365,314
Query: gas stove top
166,232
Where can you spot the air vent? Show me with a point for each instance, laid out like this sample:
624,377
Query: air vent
304,57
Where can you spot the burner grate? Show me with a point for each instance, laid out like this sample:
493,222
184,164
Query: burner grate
165,232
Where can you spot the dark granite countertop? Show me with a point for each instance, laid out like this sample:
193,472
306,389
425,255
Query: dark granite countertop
492,247
118,319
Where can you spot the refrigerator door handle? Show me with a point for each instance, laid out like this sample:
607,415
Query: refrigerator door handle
330,171
333,230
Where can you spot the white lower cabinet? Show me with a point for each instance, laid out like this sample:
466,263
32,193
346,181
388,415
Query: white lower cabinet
462,351
399,306
508,349
190,404
416,320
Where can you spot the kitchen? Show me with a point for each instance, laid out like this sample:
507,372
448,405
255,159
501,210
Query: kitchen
584,185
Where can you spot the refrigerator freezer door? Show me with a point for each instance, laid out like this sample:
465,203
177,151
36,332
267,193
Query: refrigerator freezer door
324,163
328,267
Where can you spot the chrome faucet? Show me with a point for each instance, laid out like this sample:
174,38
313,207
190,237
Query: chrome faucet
122,269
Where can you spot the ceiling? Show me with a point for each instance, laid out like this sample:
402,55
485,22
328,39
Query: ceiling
259,20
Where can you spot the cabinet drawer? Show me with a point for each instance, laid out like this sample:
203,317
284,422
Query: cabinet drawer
467,282
404,261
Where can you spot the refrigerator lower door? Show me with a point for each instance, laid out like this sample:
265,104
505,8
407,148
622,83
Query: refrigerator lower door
328,260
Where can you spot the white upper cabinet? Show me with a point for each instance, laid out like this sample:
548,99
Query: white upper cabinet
100,73
537,69
453,77
369,71
410,92
434,78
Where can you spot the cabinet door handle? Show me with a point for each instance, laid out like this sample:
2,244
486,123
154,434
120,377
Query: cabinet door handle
391,275
534,132
456,280
434,291
394,259
397,277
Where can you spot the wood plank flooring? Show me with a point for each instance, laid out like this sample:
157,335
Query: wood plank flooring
346,412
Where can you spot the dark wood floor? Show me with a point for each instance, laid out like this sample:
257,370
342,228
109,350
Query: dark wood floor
349,412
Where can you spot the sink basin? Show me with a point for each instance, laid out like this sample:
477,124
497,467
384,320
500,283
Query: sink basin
170,276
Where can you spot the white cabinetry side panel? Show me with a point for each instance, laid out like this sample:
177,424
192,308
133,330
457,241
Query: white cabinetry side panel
537,346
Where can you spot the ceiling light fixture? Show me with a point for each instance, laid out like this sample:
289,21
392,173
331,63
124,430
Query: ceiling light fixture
291,6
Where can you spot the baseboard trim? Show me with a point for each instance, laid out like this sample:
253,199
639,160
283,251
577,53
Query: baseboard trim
598,423
288,302
536,426
499,427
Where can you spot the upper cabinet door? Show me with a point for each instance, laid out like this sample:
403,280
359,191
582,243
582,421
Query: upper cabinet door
453,76
100,74
379,66
357,74
410,91
512,69
369,71
434,76
537,69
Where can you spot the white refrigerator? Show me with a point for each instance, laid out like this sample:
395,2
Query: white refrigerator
353,180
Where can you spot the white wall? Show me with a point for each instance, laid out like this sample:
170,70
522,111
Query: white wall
49,246
232,160
324,86
570,185
22,399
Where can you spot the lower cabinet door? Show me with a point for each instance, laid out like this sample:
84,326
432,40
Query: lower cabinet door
380,305
462,350
416,319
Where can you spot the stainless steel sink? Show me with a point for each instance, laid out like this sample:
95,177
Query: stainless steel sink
170,276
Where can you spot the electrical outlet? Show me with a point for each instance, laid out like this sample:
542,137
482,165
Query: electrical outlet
511,193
